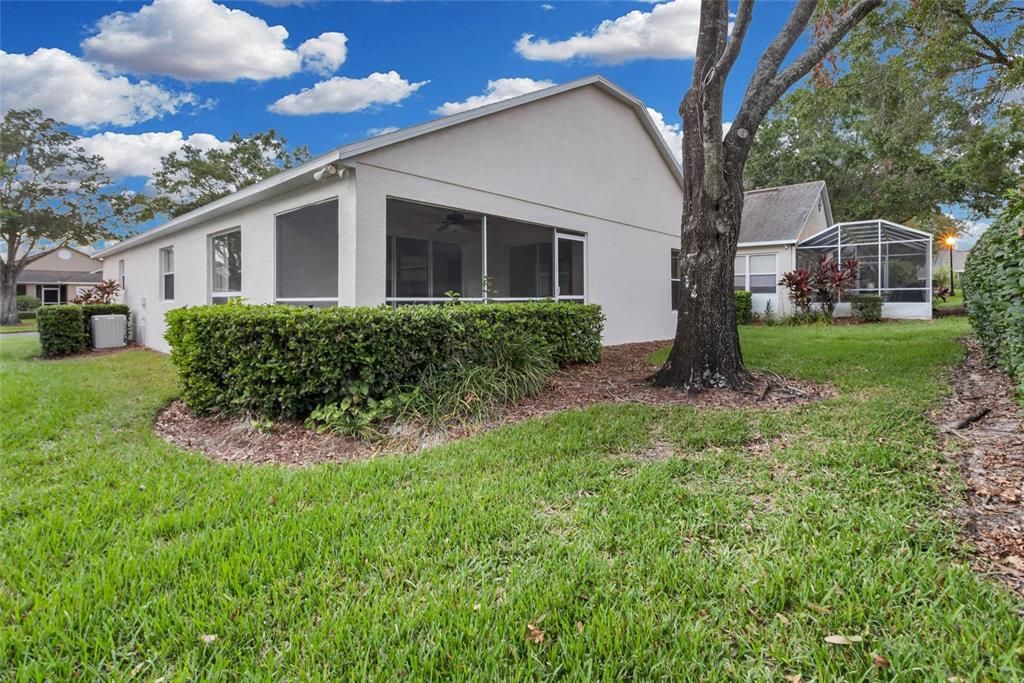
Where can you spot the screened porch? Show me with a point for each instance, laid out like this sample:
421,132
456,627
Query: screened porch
438,253
893,261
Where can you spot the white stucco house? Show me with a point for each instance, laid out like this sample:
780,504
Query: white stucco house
568,193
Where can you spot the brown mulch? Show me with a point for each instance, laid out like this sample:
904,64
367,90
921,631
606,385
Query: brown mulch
990,453
620,377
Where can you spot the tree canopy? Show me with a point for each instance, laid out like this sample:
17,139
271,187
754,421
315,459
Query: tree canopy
916,111
192,177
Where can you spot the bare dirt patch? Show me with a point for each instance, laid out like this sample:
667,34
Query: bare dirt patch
984,428
620,377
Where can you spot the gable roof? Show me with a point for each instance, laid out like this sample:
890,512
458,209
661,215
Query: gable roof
779,214
44,252
58,277
294,177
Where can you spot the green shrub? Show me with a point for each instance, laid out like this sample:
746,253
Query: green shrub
26,315
744,307
512,368
89,310
993,283
866,307
357,414
61,332
283,361
27,302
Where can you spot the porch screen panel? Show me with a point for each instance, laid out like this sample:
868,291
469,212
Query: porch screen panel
307,252
520,259
411,265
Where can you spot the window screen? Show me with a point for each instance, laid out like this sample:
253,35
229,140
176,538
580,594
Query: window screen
307,252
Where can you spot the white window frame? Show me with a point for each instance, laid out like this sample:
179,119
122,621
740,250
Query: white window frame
747,273
120,273
581,298
226,295
42,294
164,273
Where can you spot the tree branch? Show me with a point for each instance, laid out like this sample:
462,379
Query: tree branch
739,33
997,56
815,53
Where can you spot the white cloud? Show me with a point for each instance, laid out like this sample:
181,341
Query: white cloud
497,90
377,132
325,53
200,40
547,7
341,95
671,132
668,31
131,155
69,89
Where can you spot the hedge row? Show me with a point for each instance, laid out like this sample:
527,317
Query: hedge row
283,361
66,329
993,283
61,332
744,306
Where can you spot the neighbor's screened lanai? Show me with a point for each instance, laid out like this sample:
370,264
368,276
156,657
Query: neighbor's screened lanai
893,260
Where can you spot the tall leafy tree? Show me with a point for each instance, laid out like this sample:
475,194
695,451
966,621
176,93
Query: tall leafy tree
914,112
706,349
51,194
192,177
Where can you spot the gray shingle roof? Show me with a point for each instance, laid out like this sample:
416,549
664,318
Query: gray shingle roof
776,214
57,277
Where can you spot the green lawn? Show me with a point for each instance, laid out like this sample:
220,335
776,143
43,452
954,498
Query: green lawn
120,553
950,302
25,326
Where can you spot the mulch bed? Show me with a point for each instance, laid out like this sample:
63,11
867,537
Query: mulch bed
620,377
986,433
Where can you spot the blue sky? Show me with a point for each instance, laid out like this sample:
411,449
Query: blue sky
138,79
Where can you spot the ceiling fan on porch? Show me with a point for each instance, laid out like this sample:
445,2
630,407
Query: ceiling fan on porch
455,220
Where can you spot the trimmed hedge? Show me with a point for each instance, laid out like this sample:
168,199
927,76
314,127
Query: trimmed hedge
26,315
744,307
27,302
61,332
866,307
993,283
284,361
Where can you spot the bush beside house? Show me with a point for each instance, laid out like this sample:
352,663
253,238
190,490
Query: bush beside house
866,308
993,283
61,331
283,361
744,307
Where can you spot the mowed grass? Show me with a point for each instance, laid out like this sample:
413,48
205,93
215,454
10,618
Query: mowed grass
121,556
25,326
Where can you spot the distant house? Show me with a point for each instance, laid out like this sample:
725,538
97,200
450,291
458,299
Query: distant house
57,275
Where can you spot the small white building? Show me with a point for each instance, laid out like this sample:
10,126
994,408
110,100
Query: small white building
568,193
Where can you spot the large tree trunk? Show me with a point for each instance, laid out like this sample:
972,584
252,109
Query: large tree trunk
706,349
8,297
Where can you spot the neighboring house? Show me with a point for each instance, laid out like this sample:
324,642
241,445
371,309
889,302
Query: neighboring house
941,260
58,275
568,193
